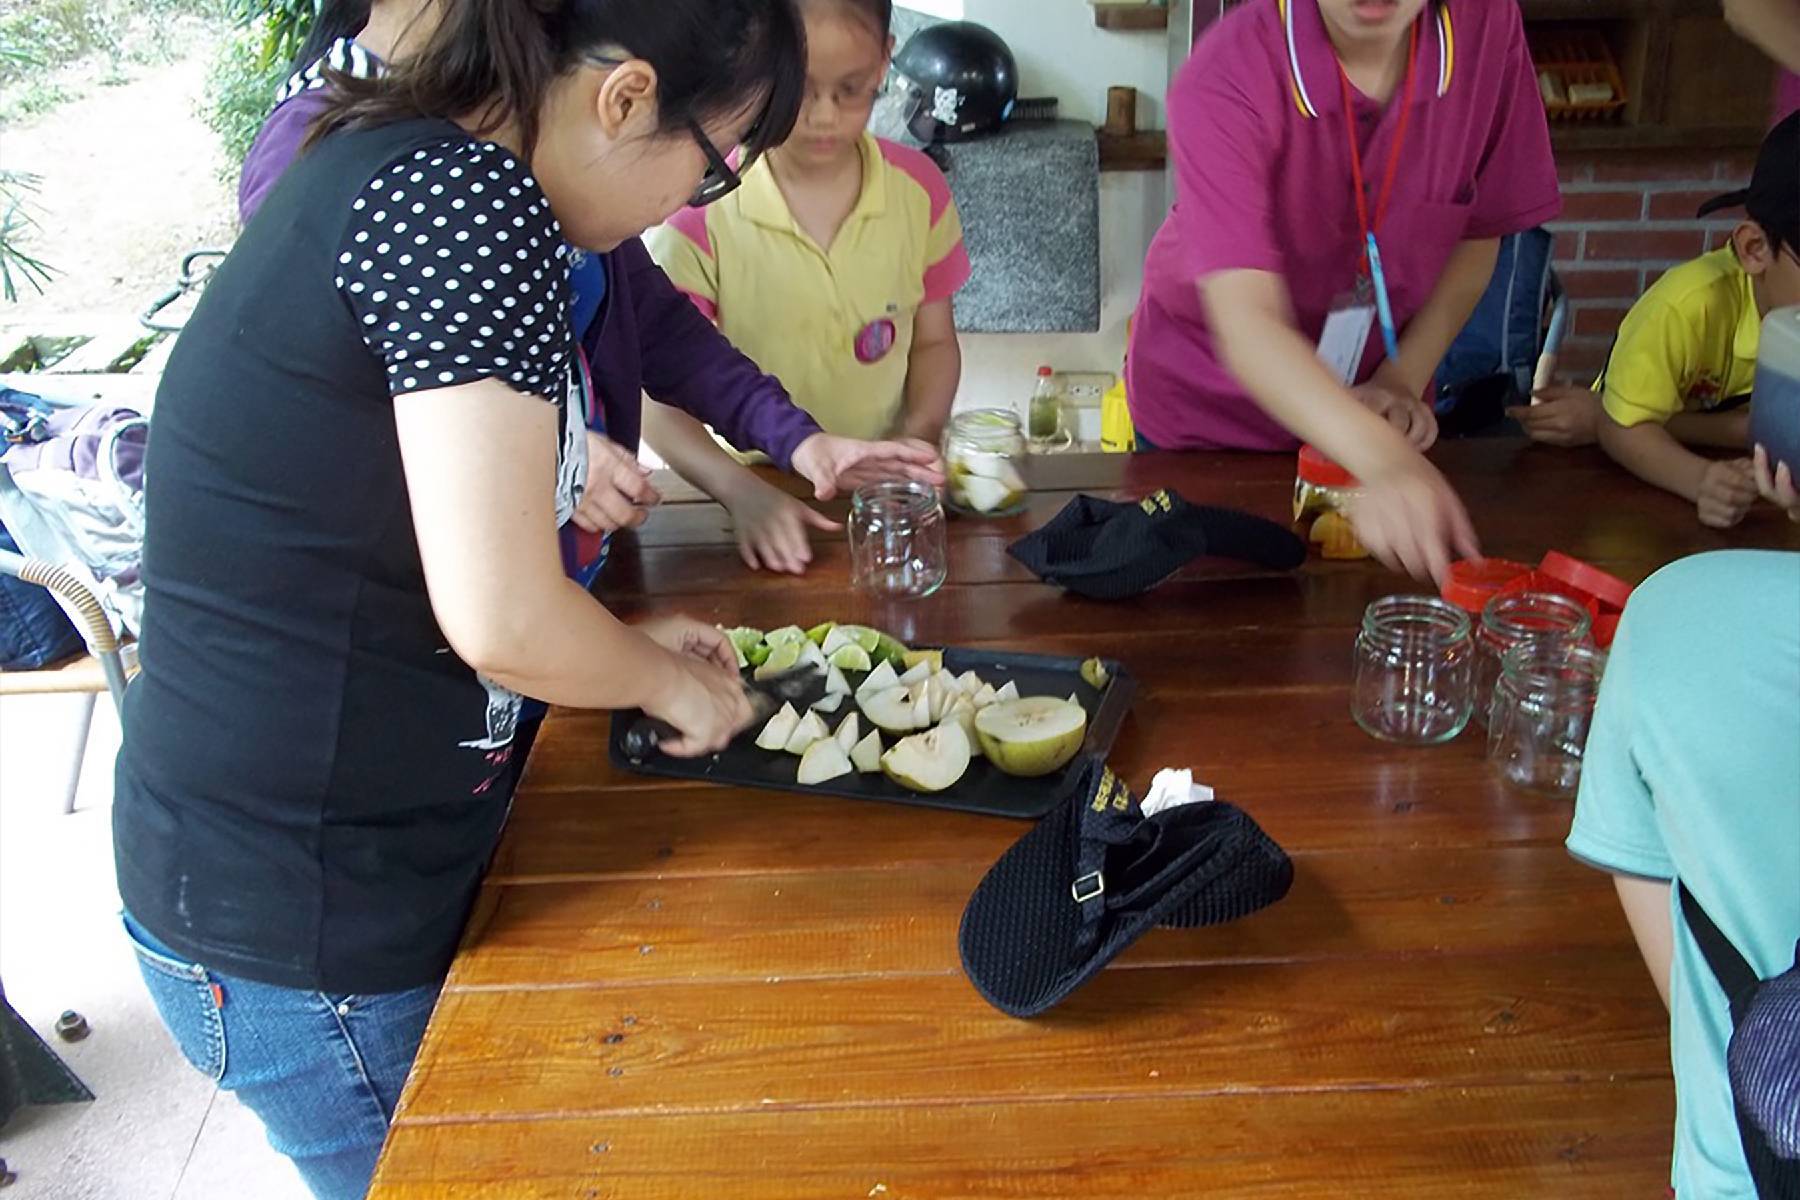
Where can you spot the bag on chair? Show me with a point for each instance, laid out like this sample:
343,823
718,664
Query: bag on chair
77,496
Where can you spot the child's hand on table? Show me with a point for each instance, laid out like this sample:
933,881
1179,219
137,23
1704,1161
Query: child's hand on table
838,464
618,494
700,693
1560,416
1408,414
1727,490
1412,521
771,526
1777,486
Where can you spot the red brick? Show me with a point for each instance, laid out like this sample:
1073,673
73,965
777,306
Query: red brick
1698,168
1599,285
1598,320
1573,172
1602,206
1735,169
1663,245
1580,359
1680,206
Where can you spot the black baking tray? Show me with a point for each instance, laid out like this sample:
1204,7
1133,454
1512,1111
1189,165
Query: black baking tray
984,789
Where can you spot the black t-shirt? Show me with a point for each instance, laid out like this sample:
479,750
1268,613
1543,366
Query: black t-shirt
311,781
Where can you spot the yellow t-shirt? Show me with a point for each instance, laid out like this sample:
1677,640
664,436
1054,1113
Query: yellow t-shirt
835,326
1688,345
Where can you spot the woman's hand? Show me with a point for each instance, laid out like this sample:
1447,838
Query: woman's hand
1413,521
1560,416
1777,486
1408,414
771,526
619,494
837,464
700,692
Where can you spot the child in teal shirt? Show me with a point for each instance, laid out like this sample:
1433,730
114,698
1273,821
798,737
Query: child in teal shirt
1692,774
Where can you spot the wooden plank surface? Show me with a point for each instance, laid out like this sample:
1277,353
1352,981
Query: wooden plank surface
672,990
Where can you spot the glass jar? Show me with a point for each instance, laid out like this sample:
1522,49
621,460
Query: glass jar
983,453
1415,663
1322,495
1514,619
1540,713
897,545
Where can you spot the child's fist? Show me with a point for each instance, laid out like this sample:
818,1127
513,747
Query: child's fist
1727,490
1560,416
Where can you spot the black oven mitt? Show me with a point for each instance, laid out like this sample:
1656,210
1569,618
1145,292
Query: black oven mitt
1095,875
1106,550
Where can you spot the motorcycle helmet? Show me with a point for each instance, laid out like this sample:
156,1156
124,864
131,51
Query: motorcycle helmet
956,81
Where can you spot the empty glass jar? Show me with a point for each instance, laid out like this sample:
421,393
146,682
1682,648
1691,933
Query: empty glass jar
897,545
1415,663
1541,710
1515,619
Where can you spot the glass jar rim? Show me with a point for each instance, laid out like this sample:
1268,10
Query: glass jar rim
1527,616
982,426
1537,665
1394,621
901,500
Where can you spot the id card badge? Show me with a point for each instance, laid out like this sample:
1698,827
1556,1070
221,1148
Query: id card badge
1346,332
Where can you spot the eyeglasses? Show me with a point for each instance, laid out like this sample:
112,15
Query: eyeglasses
720,179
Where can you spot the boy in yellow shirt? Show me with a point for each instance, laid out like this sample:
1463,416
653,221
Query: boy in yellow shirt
1682,368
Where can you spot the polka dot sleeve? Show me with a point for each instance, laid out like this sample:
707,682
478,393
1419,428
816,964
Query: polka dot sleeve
456,271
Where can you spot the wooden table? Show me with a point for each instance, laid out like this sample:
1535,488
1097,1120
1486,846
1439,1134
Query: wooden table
677,991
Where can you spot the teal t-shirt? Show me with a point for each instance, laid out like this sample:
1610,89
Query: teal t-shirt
1692,773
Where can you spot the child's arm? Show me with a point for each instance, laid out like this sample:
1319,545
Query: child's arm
1409,517
933,371
1771,25
1646,905
1722,491
771,526
1428,335
1720,431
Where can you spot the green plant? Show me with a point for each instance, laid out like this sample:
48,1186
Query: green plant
16,224
284,25
240,89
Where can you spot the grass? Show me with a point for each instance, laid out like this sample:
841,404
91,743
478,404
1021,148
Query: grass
18,266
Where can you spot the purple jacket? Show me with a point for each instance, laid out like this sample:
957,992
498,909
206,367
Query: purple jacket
647,338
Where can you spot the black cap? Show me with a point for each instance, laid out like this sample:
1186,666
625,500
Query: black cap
1773,198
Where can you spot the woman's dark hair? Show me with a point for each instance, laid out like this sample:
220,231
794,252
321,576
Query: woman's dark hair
498,58
336,19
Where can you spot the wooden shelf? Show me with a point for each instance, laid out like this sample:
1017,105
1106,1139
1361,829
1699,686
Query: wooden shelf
1147,150
1131,17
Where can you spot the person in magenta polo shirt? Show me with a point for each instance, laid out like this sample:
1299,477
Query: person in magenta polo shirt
1446,131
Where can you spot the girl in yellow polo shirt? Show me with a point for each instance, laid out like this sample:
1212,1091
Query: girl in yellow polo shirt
834,264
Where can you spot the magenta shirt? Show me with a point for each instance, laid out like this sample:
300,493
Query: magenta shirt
1787,95
1262,182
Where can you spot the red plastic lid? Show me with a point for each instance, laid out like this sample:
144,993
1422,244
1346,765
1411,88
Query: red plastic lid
1044,371
1316,468
1588,580
1605,626
1472,582
1537,581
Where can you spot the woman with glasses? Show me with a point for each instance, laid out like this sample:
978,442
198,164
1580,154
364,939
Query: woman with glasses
641,337
364,449
833,266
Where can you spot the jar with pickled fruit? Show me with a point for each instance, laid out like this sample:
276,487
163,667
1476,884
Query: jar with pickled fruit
1322,495
984,452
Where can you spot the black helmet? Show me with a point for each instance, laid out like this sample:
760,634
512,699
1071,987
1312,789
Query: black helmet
957,80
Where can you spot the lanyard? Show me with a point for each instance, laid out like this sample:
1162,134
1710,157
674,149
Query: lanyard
1371,260
1369,227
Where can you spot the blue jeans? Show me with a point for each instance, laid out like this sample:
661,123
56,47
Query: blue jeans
323,1072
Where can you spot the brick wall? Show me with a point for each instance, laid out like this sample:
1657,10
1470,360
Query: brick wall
1626,219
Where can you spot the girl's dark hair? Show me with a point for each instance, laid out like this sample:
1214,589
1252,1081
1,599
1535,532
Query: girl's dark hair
497,59
878,13
336,19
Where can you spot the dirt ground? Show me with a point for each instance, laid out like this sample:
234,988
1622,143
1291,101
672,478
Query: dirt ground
132,180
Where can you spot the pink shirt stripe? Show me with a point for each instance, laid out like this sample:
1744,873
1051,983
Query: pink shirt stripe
944,278
922,171
690,223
